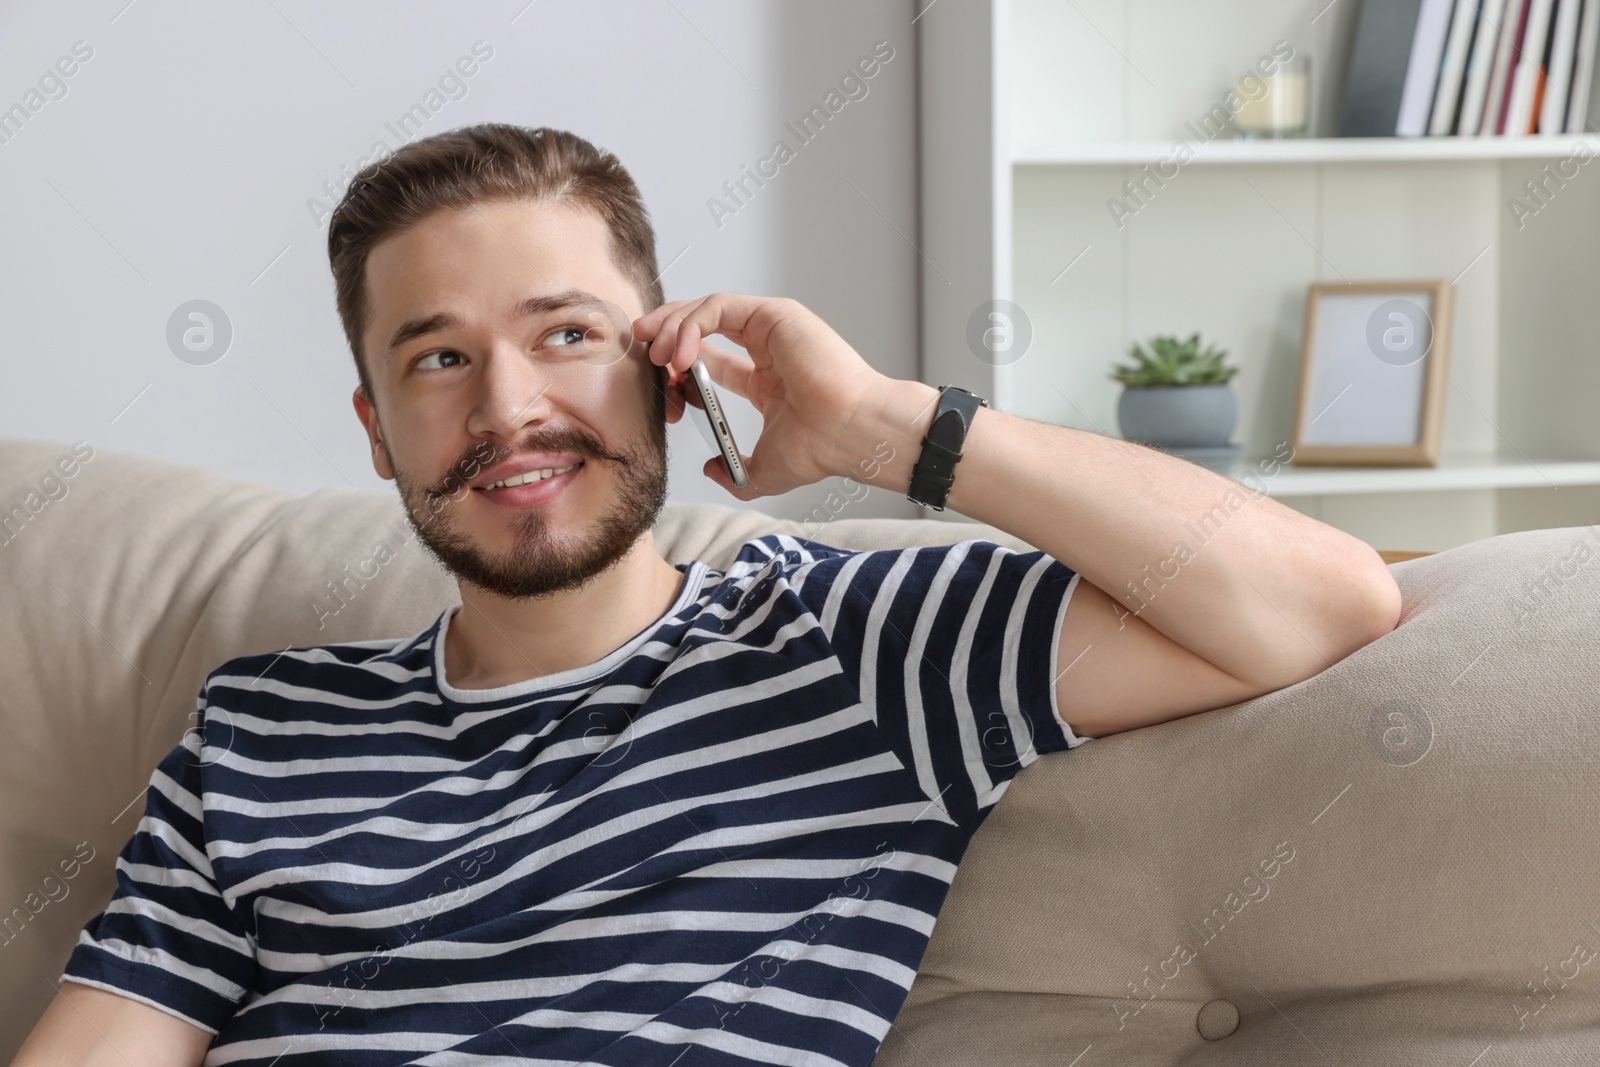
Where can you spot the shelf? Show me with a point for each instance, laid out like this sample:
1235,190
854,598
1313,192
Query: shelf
1309,150
1453,472
1032,117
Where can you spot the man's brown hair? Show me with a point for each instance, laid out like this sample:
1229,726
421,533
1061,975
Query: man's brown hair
489,162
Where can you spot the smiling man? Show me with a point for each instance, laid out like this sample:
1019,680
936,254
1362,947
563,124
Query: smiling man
616,810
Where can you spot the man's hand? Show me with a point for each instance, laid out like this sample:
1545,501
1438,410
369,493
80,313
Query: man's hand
804,379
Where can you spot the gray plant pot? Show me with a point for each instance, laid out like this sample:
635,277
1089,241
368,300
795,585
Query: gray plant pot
1178,416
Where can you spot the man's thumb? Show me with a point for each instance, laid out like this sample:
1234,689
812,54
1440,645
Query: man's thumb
717,471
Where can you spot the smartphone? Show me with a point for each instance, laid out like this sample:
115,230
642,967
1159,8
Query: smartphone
719,423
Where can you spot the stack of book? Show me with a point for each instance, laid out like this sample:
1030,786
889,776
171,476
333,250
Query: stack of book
1472,68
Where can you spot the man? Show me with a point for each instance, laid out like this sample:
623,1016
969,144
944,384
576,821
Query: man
615,810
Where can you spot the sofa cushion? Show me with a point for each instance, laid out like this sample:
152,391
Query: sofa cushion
1393,861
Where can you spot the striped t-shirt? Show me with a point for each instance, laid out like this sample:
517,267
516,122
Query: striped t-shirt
723,843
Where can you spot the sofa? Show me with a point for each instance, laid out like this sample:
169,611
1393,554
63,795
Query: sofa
1395,861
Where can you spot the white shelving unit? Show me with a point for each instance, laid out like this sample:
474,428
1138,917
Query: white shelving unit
1454,473
1034,115
1310,150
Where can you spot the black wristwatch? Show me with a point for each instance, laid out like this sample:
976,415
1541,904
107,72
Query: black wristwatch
934,473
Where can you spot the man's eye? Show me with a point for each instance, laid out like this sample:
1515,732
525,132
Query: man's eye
436,360
568,336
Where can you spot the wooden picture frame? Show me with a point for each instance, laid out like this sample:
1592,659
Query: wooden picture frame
1379,349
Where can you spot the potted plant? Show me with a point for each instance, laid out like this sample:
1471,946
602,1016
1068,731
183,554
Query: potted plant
1176,396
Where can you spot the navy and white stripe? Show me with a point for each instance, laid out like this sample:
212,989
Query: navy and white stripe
724,843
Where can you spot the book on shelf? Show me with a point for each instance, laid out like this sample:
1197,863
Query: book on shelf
1480,65
1447,92
1377,72
1486,68
1580,106
1558,80
1505,61
1422,67
1530,71
1528,79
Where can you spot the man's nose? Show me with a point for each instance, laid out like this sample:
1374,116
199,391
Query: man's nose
514,390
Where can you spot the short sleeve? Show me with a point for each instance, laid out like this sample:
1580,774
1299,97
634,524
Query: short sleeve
954,647
168,938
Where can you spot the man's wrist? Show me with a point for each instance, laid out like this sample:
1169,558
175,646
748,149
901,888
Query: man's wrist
885,437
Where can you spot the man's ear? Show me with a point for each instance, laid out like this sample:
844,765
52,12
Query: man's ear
368,414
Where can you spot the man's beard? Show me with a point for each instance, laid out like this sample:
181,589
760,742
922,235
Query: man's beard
538,564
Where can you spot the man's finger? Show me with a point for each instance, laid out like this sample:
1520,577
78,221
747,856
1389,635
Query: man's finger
727,314
729,370
646,326
665,332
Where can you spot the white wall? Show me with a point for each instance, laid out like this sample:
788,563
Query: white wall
1137,70
180,161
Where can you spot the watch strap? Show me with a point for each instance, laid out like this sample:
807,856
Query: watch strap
934,472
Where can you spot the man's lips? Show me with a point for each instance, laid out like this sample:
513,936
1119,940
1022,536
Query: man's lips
521,465
532,493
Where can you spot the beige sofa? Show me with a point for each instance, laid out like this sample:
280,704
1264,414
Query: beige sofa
1393,862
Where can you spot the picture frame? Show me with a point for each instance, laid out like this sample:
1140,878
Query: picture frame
1373,362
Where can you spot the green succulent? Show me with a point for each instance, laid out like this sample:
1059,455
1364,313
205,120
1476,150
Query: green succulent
1169,361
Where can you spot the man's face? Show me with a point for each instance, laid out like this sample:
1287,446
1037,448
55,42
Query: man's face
499,391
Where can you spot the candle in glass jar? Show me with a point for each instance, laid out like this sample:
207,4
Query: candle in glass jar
1277,106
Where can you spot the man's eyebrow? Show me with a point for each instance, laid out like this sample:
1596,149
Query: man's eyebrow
566,300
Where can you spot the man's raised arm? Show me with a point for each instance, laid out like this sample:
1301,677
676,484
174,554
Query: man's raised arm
1202,592
1268,598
